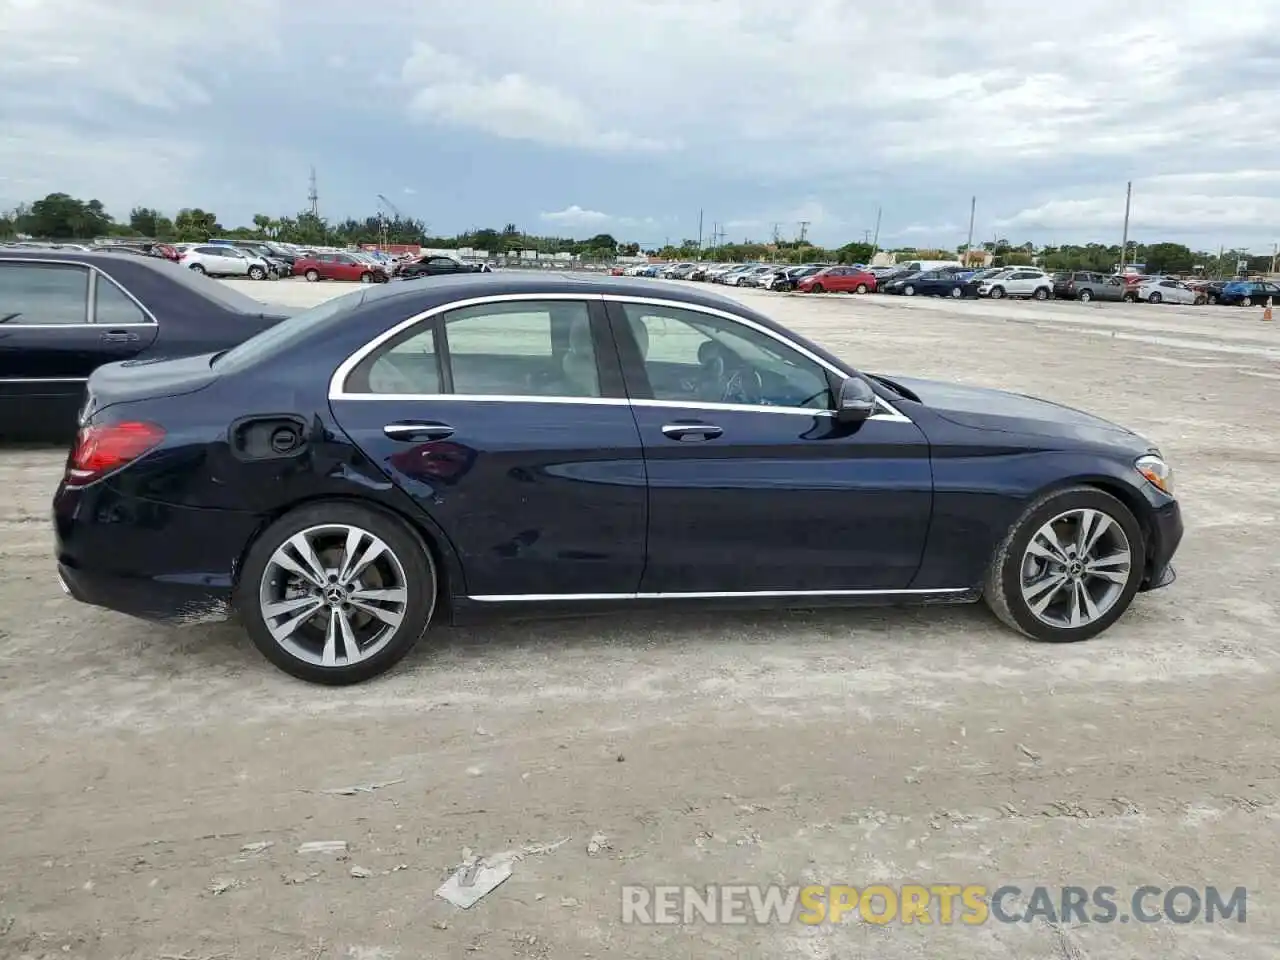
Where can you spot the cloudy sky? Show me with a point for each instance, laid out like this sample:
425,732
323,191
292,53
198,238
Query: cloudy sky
628,116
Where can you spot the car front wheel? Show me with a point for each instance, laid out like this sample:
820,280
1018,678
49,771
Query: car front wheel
1085,296
337,593
1041,294
997,293
1068,568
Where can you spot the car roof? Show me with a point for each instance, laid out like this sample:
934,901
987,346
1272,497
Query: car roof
97,258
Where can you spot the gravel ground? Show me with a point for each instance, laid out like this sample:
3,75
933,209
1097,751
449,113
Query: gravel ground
925,746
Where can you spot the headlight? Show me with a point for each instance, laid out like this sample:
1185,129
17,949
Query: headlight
1158,473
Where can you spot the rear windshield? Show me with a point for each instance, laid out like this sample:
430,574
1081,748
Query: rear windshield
275,340
209,288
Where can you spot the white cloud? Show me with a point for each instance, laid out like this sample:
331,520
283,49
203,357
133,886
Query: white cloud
510,105
575,216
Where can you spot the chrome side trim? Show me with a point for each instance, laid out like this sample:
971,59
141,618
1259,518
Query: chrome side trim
707,595
44,379
91,303
337,389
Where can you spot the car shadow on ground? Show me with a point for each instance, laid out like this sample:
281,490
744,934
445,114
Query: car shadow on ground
225,648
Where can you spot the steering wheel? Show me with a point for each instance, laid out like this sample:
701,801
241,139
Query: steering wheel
744,385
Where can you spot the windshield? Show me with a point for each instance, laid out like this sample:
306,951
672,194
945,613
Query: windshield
274,339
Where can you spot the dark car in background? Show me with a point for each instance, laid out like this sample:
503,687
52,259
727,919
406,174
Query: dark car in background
437,266
1084,286
790,278
1248,293
932,283
519,442
63,315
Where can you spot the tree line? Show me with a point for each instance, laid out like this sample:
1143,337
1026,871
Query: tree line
60,216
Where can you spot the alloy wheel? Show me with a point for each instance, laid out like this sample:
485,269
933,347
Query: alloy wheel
1075,568
333,595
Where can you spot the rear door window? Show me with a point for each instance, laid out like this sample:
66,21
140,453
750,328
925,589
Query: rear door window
40,294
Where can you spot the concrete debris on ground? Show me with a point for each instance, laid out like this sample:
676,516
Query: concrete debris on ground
360,788
323,848
597,843
361,873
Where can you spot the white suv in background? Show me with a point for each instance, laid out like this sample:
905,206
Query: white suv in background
222,261
1018,282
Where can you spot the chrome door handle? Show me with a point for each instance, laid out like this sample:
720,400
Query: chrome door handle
118,336
688,432
417,431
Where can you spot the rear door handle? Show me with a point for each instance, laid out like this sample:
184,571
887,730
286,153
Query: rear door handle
689,432
417,432
118,336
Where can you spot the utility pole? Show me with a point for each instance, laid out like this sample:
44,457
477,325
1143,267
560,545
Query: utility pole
777,235
875,241
1124,243
699,234
1275,252
804,229
313,195
968,244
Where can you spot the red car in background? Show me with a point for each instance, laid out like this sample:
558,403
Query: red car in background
338,266
839,280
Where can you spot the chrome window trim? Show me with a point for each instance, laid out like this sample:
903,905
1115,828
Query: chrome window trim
707,595
91,305
44,379
337,382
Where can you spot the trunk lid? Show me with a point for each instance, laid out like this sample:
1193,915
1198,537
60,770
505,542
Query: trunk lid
145,380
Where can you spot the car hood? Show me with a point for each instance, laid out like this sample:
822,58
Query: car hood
987,409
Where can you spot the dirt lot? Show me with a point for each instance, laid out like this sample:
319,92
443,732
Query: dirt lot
922,746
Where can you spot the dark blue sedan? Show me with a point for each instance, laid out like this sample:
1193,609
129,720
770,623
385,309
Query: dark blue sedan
509,443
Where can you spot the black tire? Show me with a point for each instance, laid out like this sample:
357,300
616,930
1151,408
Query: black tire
817,288
1085,296
909,290
1199,301
1041,293
257,273
861,288
413,554
1130,298
195,267
1213,298
1247,302
997,293
312,275
366,277
1002,589
1154,297
957,292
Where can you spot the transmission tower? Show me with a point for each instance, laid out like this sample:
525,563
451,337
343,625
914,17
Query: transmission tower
804,229
313,195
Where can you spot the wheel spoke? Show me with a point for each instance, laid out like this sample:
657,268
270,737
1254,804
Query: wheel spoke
371,553
349,552
349,644
329,656
281,607
1093,524
1113,567
1042,593
286,628
310,568
1046,546
1086,599
394,595
390,617
1075,605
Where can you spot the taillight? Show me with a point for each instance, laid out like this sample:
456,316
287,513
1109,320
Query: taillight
103,448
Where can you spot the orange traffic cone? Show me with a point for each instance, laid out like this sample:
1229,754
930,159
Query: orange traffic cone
1266,311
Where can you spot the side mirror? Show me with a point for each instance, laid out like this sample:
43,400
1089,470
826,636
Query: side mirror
857,401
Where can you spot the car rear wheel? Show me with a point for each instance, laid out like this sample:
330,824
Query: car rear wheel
1068,568
1247,302
1154,297
1041,294
337,593
957,292
312,275
817,288
909,291
196,268
862,288
997,293
257,273
366,277
1085,296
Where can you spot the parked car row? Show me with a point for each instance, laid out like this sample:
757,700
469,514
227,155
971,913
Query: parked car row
950,279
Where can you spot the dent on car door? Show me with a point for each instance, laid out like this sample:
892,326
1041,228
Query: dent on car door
753,484
506,423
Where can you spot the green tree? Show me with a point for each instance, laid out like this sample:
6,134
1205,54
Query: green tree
1167,258
59,216
855,253
145,220
194,224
